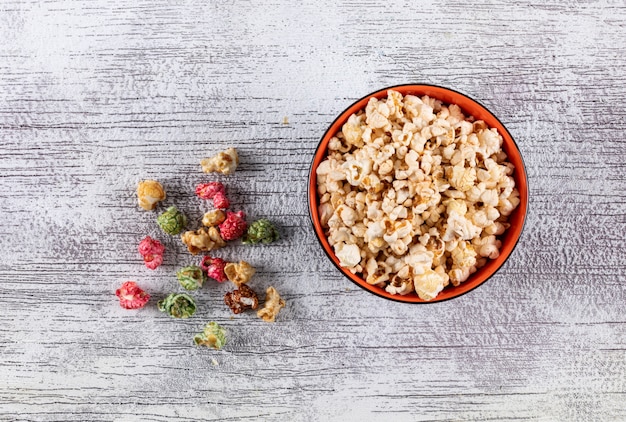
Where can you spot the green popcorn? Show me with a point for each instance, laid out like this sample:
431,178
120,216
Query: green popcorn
261,231
178,305
172,221
213,336
191,277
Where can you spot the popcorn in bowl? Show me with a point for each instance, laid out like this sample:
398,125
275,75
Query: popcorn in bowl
413,195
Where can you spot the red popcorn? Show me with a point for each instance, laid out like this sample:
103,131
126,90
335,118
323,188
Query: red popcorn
152,251
209,190
214,268
131,296
234,226
220,201
153,261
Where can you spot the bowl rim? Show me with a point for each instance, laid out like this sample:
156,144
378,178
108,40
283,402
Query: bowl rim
311,195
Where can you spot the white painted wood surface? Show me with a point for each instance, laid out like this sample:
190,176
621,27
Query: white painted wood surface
95,95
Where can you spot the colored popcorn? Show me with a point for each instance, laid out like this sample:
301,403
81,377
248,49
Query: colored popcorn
152,251
261,231
191,277
208,190
220,201
131,296
234,226
214,268
172,221
241,299
178,305
212,336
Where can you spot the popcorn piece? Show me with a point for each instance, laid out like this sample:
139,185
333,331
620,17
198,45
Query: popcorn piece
131,296
208,190
177,305
191,277
214,268
273,305
149,193
348,255
203,239
212,336
261,231
224,162
241,299
234,226
429,284
172,221
213,218
240,273
221,201
152,251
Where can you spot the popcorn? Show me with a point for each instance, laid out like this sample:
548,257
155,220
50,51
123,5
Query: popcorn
241,299
234,226
209,190
273,304
213,218
152,251
204,239
149,193
261,231
413,194
240,273
131,296
177,305
191,277
214,268
172,221
224,162
212,336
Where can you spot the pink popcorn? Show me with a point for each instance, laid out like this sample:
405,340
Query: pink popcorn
220,201
152,251
214,268
234,226
209,190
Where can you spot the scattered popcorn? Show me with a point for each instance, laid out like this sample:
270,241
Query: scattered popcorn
178,305
172,221
131,296
149,193
241,299
234,226
208,190
220,201
212,336
273,304
152,251
213,218
204,239
224,162
214,268
239,274
261,231
413,193
191,277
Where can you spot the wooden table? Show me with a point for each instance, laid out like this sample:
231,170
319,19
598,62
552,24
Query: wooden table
97,95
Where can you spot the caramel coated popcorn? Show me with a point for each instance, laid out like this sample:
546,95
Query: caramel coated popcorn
273,304
413,194
202,240
224,162
149,193
240,273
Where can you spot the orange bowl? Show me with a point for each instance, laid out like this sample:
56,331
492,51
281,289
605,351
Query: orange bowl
471,108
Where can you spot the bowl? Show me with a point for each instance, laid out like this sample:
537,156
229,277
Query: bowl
470,107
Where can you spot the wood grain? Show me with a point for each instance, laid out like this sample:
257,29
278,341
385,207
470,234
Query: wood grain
96,95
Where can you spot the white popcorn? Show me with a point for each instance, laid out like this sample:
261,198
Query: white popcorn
413,194
348,255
